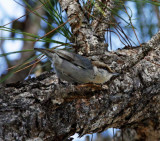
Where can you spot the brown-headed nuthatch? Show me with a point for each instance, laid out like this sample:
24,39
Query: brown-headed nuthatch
76,68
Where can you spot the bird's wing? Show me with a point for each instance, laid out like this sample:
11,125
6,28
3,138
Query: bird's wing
75,59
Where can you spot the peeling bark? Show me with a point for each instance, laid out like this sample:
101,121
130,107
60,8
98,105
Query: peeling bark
41,109
88,37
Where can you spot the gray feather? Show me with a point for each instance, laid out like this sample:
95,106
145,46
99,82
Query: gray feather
75,59
69,56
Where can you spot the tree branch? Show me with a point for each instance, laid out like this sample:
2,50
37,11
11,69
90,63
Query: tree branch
41,108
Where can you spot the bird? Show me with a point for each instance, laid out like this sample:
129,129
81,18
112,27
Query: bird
75,68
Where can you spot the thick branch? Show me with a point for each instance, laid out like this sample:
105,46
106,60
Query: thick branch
40,108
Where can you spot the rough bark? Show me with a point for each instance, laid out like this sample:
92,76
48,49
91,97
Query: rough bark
40,108
88,37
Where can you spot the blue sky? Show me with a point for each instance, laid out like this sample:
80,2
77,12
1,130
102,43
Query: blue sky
9,10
